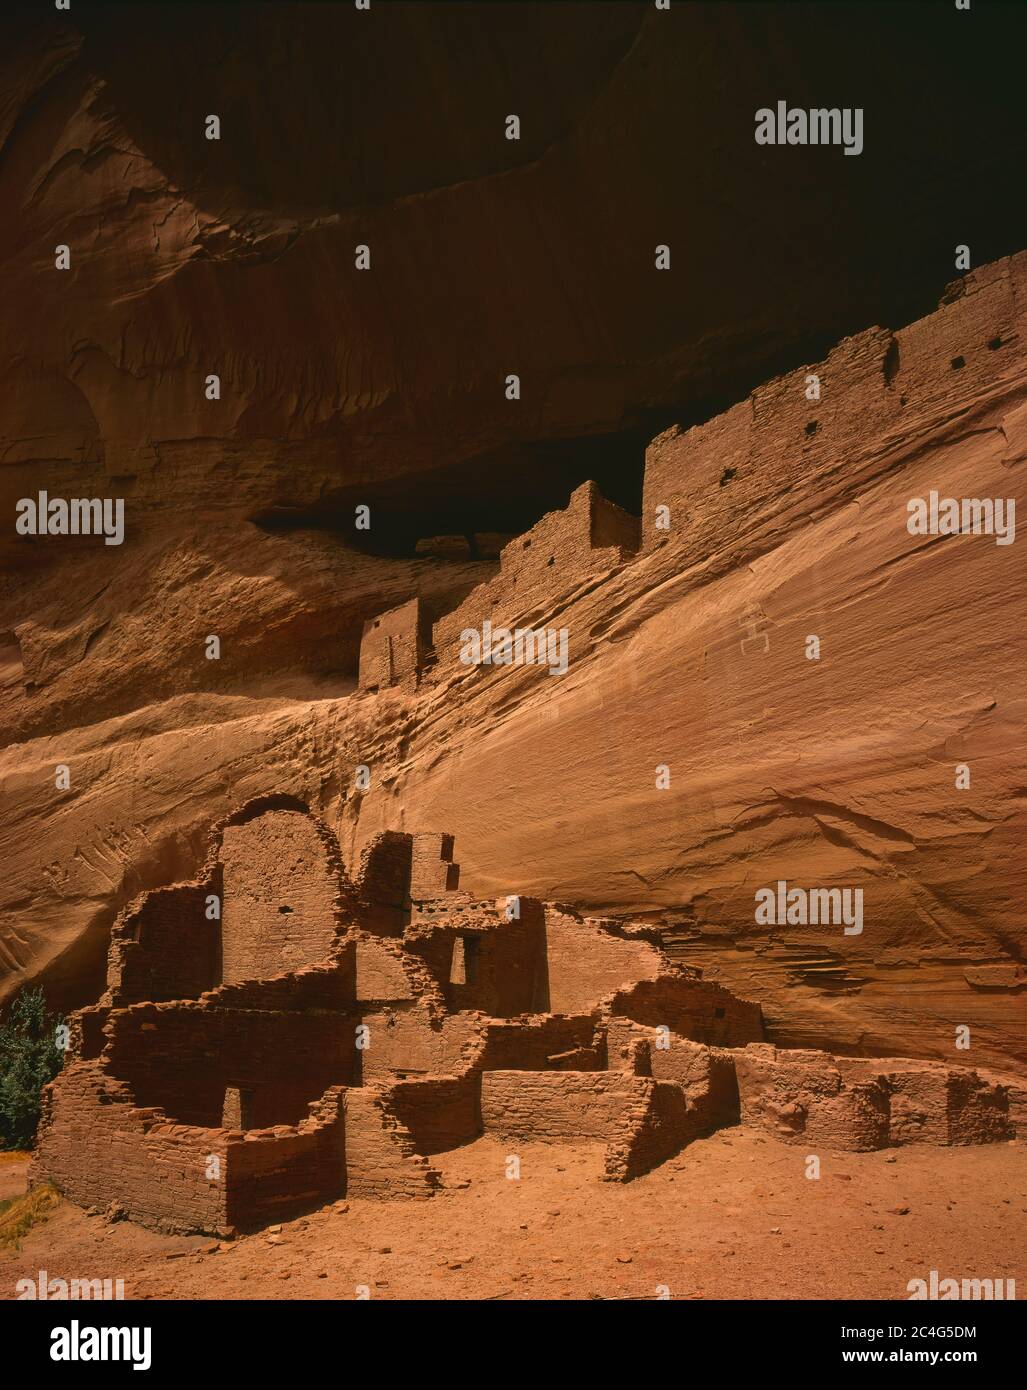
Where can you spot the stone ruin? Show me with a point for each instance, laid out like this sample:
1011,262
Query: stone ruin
563,551
278,1034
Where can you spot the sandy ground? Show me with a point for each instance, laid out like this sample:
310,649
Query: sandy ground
731,1217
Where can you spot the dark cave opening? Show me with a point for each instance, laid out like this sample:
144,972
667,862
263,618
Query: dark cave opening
485,500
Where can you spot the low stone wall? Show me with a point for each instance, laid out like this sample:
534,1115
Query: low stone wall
867,1103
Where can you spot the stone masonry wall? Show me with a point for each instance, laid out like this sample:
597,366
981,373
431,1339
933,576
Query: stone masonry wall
867,1103
394,647
439,1111
381,1158
432,871
279,896
585,962
554,1106
383,882
560,552
163,946
872,385
183,1057
92,1132
694,1008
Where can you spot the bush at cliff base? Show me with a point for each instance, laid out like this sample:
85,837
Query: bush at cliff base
29,1058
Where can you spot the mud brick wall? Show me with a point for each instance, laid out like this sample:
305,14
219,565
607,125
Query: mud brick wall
440,1112
652,1129
393,648
585,963
271,1176
184,1057
164,947
331,986
432,871
705,1075
382,1161
551,1106
877,383
481,960
695,1009
383,881
802,1095
96,1145
530,1045
560,552
409,1040
933,1104
280,892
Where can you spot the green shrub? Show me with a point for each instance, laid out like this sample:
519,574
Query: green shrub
29,1058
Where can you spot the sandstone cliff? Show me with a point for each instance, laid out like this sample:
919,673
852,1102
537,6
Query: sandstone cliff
236,258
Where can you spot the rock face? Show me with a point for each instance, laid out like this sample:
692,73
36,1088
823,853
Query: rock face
692,753
696,751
